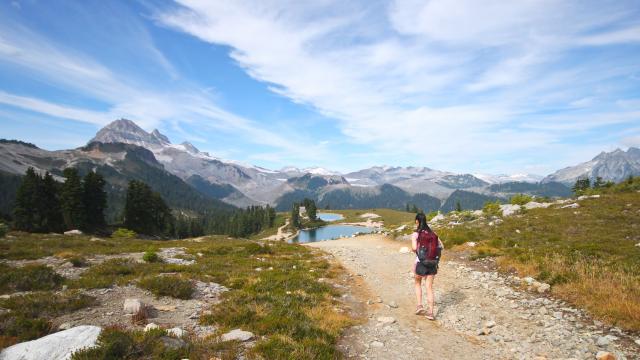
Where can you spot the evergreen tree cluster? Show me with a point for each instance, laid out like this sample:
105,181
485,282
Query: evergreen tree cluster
252,220
44,205
584,185
145,211
295,216
311,209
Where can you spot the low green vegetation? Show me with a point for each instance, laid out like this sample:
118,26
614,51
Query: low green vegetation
492,209
521,199
28,278
30,315
123,233
168,286
587,254
151,256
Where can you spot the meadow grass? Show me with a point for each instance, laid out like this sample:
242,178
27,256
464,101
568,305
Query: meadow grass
391,218
587,254
274,292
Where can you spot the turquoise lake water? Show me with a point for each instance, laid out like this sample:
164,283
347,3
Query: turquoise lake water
329,216
329,232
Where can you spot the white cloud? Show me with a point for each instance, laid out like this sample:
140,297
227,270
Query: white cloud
452,79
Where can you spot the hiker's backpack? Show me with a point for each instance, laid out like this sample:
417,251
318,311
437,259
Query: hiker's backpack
428,249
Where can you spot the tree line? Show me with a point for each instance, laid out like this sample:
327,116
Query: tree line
43,204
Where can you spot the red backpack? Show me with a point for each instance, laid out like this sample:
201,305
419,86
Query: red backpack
428,249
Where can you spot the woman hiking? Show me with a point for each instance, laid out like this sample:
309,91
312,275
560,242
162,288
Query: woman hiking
427,246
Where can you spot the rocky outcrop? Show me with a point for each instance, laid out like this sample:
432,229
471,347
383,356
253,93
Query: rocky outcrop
58,346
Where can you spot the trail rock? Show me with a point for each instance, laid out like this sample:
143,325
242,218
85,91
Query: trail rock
237,334
132,306
603,341
404,250
376,344
543,288
57,346
393,305
386,320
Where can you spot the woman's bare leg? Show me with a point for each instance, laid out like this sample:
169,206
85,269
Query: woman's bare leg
430,297
418,286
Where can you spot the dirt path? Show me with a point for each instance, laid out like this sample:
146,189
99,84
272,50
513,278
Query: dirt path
480,315
281,235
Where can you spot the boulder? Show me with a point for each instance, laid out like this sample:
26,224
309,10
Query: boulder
73,232
509,209
437,218
132,306
536,205
543,288
237,335
605,355
57,346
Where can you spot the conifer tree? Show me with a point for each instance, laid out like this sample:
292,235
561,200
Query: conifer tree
295,216
25,209
95,200
71,198
49,202
458,206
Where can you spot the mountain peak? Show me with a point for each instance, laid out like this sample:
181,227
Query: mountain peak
190,148
128,132
161,137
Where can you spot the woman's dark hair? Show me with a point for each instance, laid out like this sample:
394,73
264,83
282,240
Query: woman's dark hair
422,222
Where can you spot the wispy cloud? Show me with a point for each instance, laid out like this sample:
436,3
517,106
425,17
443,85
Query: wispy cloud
457,81
125,95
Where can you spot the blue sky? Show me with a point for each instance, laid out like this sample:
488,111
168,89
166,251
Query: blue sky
458,85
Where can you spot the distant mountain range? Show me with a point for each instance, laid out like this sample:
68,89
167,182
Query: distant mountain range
122,150
615,166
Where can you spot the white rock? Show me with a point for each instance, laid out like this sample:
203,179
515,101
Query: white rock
535,205
386,320
401,227
57,346
638,244
404,250
437,218
571,206
471,244
376,344
177,332
73,232
393,305
509,209
542,288
151,326
490,324
237,334
132,306
529,280
637,342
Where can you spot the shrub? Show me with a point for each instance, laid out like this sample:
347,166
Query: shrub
492,209
28,278
521,199
151,256
4,229
78,261
123,233
168,286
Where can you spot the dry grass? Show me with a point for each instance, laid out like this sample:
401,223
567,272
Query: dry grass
588,254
